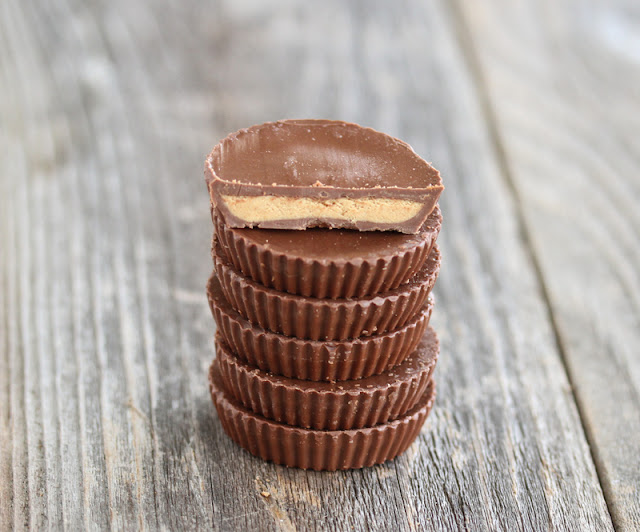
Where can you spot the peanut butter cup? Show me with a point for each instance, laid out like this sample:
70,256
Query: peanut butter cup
328,263
314,360
321,450
296,174
342,405
324,258
325,319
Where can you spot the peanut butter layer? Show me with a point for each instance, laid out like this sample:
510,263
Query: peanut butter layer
260,210
296,174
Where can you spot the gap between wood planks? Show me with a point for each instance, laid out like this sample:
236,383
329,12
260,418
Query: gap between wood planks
465,39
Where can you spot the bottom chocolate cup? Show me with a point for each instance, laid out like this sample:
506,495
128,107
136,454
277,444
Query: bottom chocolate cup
344,405
317,449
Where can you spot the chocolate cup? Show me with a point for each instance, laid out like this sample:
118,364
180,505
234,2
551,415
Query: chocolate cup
321,450
325,319
319,161
328,263
324,406
314,360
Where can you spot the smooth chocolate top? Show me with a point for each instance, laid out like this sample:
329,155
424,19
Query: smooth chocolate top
319,153
329,245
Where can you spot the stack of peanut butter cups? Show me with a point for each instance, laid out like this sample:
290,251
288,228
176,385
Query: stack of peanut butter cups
321,292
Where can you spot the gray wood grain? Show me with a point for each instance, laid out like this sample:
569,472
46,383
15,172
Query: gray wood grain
107,112
568,119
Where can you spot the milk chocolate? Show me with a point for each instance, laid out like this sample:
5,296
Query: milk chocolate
327,263
324,406
296,174
321,450
314,360
325,319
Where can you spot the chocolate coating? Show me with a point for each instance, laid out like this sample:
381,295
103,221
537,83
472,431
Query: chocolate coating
323,406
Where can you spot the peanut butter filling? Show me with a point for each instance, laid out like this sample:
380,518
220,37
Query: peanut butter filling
268,208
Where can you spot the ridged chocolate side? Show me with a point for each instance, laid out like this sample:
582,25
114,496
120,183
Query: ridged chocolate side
325,319
326,278
314,360
321,450
324,406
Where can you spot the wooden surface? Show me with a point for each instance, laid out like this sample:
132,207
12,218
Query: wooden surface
568,125
530,109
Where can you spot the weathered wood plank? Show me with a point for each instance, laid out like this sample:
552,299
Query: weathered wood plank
110,108
6,436
562,81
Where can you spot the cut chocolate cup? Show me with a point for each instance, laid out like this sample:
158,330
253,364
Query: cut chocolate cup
295,174
321,450
325,319
314,360
325,406
326,263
